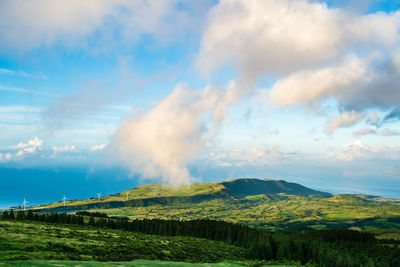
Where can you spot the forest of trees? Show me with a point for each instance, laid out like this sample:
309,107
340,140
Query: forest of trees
325,247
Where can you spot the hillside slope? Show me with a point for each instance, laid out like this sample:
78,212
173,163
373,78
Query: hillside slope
157,193
248,187
266,203
28,240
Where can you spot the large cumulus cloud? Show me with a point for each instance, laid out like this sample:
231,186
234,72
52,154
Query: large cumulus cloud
160,143
312,51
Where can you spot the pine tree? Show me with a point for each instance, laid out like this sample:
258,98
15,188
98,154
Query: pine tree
29,215
11,216
5,215
80,220
91,221
20,215
283,251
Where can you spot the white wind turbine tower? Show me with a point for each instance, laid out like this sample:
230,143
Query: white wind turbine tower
99,196
154,191
24,203
127,196
64,199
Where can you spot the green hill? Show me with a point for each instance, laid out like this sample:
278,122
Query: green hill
249,187
270,204
200,191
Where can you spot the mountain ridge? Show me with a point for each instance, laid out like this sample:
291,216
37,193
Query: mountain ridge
237,188
251,186
268,204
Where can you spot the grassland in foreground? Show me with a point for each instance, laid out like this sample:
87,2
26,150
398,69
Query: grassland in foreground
43,241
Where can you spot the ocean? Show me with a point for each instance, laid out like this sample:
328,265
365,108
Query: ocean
46,185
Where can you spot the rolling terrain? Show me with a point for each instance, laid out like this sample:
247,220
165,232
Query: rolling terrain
53,239
153,225
38,240
269,204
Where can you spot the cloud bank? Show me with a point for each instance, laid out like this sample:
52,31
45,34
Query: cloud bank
358,150
245,157
22,150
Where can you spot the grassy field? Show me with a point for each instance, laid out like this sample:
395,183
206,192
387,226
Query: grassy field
29,243
386,234
146,191
43,241
269,211
32,243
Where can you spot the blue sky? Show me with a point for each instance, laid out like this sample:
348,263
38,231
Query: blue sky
183,91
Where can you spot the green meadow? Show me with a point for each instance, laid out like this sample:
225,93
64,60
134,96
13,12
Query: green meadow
279,206
43,241
30,243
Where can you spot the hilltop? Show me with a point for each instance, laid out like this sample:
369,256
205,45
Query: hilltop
151,193
271,204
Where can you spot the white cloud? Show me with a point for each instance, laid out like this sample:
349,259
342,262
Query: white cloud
314,52
19,146
23,74
34,149
358,150
5,157
345,119
36,142
374,119
246,157
27,25
24,90
30,147
357,84
281,36
98,147
160,143
312,85
66,148
364,131
388,132
19,109
269,36
19,153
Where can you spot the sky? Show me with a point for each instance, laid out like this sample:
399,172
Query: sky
196,91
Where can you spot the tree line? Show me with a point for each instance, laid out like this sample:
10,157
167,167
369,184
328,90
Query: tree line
325,248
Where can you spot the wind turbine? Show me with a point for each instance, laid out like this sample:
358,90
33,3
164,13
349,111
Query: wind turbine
99,196
154,191
127,196
64,199
24,203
